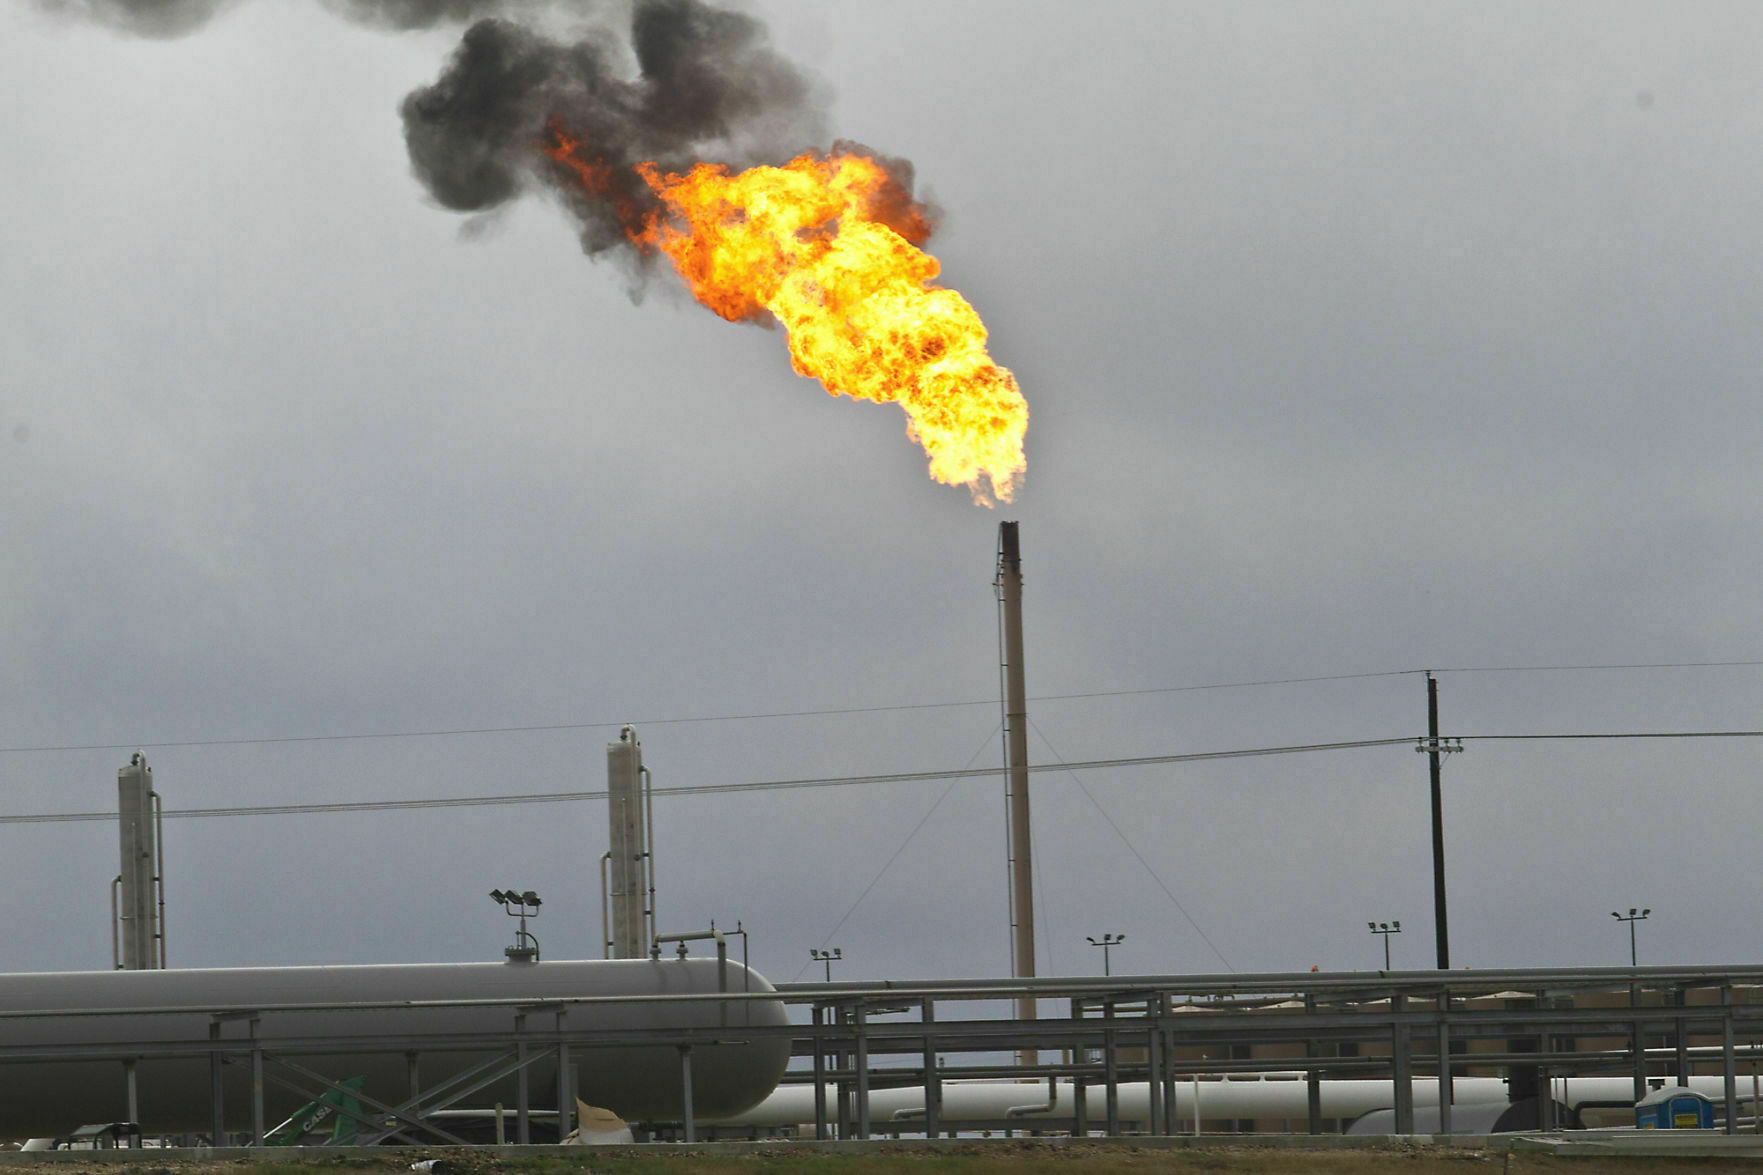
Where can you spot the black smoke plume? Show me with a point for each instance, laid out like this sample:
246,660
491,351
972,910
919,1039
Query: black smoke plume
688,83
706,86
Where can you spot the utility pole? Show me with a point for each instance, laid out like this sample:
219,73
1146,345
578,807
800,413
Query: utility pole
1434,749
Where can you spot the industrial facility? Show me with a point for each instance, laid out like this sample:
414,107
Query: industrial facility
669,1036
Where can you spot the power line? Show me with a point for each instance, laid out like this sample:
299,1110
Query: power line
701,790
1133,849
853,780
1587,668
882,872
1616,735
540,728
448,732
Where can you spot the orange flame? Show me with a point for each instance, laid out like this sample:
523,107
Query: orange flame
827,246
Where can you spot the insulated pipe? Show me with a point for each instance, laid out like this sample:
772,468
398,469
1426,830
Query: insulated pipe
115,915
159,871
1051,1104
721,955
649,847
605,912
1285,1096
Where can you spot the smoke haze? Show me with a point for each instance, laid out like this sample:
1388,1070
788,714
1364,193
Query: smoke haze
143,18
175,18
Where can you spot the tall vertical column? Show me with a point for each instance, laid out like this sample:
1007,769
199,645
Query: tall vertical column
1022,894
1440,926
629,866
136,912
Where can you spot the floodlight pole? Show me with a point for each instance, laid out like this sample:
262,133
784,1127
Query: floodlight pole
1386,929
1106,942
1631,919
835,955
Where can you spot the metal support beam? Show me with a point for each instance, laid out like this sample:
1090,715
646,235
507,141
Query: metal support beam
1313,1077
523,1127
1401,1062
1153,1086
1080,1101
933,1082
841,1063
1638,1042
216,1089
449,1092
132,1090
860,1023
688,1122
373,1104
1445,1095
820,1130
565,1080
1729,1062
256,1097
1167,1079
1111,1077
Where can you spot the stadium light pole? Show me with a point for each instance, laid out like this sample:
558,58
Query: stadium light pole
1106,942
828,958
1386,929
1631,918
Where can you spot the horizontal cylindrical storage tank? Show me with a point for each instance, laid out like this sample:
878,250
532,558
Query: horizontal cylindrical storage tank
63,1064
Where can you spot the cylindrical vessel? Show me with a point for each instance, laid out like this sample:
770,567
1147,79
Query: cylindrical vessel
139,931
629,866
148,1010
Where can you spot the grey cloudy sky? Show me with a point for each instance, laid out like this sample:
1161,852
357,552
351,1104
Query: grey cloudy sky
1357,338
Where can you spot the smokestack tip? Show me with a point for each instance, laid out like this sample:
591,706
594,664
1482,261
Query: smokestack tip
1007,541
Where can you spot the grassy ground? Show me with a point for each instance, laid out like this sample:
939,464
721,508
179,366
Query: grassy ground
994,1159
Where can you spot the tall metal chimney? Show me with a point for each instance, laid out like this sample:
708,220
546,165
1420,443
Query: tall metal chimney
629,875
138,893
1022,894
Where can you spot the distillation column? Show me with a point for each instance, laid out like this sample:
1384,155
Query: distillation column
630,924
140,893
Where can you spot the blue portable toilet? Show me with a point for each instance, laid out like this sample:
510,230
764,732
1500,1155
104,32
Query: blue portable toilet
1675,1107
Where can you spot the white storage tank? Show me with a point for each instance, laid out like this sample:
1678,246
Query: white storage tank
110,1009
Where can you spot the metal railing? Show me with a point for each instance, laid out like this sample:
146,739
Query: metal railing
1154,1029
